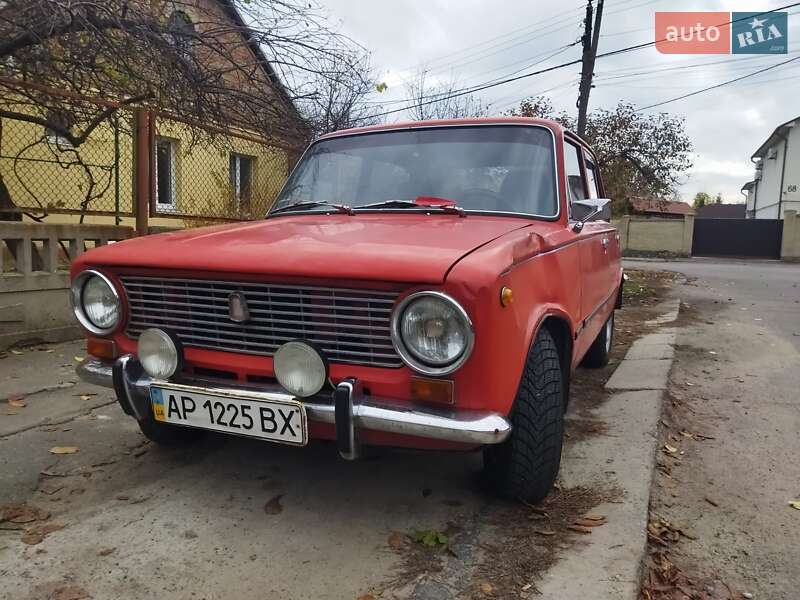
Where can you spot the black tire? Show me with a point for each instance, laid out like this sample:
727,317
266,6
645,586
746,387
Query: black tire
525,466
600,350
165,434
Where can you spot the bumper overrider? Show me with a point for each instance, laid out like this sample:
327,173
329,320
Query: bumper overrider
347,407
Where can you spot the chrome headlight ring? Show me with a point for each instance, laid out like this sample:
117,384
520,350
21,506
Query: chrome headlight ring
408,356
76,299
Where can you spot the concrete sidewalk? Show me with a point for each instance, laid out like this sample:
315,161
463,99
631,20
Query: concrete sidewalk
44,378
207,505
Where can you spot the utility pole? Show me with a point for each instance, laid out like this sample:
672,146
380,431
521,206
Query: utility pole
589,41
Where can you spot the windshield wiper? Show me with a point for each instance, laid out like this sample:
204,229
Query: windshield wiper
444,207
391,204
342,208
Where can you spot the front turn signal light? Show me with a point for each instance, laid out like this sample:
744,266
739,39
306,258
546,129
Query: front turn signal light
436,391
101,348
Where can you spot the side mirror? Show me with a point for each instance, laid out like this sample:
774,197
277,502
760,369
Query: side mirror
592,206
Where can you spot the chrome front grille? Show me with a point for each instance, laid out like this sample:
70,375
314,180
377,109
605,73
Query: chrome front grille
349,325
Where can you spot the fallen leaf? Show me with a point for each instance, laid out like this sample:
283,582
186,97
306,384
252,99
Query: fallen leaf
17,402
545,532
21,513
63,450
670,449
105,551
11,412
526,587
71,592
123,498
430,538
487,588
396,540
78,358
86,397
35,535
711,502
589,523
17,352
595,517
579,528
273,506
795,504
366,597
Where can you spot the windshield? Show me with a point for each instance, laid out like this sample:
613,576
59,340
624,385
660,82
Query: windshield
508,169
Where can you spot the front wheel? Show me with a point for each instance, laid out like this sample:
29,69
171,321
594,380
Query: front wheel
525,466
165,434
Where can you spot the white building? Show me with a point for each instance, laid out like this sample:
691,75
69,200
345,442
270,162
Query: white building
776,185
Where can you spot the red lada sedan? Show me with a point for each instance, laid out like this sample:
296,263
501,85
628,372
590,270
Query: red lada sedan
429,285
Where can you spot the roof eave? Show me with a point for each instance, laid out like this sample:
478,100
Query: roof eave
773,136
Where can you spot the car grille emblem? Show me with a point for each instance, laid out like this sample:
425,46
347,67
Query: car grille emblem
237,308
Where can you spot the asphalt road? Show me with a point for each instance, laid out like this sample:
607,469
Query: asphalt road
735,380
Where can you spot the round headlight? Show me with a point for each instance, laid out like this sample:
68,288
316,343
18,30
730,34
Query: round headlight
95,302
159,353
300,369
432,333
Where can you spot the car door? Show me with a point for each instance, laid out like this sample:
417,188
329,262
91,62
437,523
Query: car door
592,262
609,237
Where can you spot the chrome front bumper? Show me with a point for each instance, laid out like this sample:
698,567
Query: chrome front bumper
347,407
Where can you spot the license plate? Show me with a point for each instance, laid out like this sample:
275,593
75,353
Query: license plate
277,421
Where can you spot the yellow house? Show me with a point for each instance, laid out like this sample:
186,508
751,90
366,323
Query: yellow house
197,176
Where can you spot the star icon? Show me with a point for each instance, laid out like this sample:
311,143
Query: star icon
756,23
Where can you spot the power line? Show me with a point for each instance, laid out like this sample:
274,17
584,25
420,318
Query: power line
535,26
719,85
551,54
484,86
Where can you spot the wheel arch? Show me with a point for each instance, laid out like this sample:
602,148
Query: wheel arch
558,327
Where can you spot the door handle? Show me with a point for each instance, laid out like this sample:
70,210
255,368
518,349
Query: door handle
605,243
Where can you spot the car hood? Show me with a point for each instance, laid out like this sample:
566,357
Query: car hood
388,247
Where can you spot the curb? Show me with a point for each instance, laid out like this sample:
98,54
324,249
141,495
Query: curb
610,562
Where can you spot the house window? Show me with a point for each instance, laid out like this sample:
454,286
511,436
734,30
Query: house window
182,31
165,175
241,174
61,121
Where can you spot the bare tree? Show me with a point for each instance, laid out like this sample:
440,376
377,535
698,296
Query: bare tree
341,101
442,100
242,63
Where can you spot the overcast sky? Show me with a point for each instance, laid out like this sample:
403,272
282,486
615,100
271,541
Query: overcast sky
474,41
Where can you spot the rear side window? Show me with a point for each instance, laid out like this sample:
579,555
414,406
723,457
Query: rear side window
572,165
591,179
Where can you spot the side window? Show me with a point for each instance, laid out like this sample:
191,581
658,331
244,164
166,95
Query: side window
591,179
572,166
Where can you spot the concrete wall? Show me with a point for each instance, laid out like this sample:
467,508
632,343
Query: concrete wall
34,282
790,243
639,234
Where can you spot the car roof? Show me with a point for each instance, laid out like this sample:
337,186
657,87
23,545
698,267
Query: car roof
554,125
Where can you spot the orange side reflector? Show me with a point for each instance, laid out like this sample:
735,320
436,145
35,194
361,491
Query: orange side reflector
506,296
439,391
101,348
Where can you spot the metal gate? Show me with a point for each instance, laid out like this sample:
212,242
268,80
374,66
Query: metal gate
757,238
